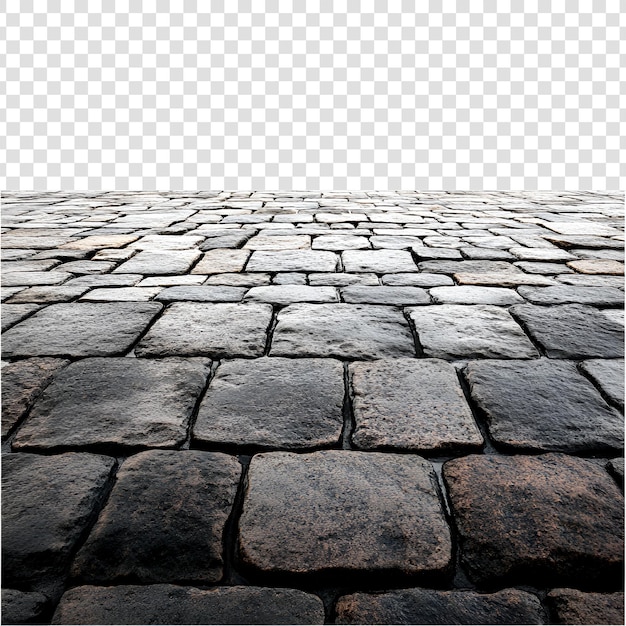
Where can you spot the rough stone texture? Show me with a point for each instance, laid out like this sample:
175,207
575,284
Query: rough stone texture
292,261
163,521
571,606
161,262
121,294
273,402
343,511
475,295
286,294
552,519
268,241
171,604
13,313
362,294
23,607
340,242
342,280
47,502
342,330
541,254
77,329
616,468
563,294
95,242
428,606
572,331
219,261
543,406
126,403
202,293
504,279
452,331
598,266
378,261
423,279
15,279
215,330
22,383
410,404
608,375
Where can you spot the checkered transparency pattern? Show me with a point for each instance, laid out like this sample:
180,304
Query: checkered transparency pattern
322,94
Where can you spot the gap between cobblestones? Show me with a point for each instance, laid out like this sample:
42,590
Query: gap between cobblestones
347,411
186,445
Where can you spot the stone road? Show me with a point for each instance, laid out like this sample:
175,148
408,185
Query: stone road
304,407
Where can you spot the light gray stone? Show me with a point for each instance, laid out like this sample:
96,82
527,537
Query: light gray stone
202,293
292,261
422,279
363,294
287,294
564,294
162,262
460,294
378,261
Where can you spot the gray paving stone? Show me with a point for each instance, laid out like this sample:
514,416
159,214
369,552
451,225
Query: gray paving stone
429,606
166,242
220,261
47,503
78,329
343,511
592,280
292,261
491,254
96,242
564,294
541,254
615,467
422,279
202,293
584,241
49,294
378,261
14,313
410,404
86,267
550,519
163,262
364,294
543,406
425,254
340,242
533,267
268,241
612,255
608,375
289,278
571,606
27,279
239,280
23,607
203,329
171,604
273,402
235,240
22,383
350,331
287,294
343,280
572,331
446,266
475,295
582,227
395,242
504,279
163,521
130,403
455,331
121,294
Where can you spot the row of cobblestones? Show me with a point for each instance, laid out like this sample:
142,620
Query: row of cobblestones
305,407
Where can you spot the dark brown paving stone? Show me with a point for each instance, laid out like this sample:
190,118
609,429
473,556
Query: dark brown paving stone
13,313
452,331
428,606
572,331
170,604
23,607
47,503
79,329
116,402
363,294
571,606
543,406
411,404
273,402
548,519
163,521
365,513
565,294
351,331
214,330
22,383
378,261
608,375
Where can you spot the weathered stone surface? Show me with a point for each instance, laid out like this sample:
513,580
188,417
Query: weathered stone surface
289,278
598,266
220,261
343,280
171,604
26,279
121,294
202,293
378,261
475,295
87,267
548,519
166,242
491,254
342,330
541,254
582,227
467,267
591,280
363,294
216,330
422,279
425,254
452,331
572,331
429,606
13,313
504,279
343,511
235,240
286,294
292,261
533,267
23,607
48,294
340,242
616,468
563,294
79,329
161,262
608,375
273,402
410,404
95,242
163,521
543,405
47,502
395,242
268,241
116,402
571,606
584,241
22,383
239,280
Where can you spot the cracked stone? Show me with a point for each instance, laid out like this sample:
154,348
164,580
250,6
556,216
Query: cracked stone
163,521
378,261
543,406
130,403
571,606
273,402
411,404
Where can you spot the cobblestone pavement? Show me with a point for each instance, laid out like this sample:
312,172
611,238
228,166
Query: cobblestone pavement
312,407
